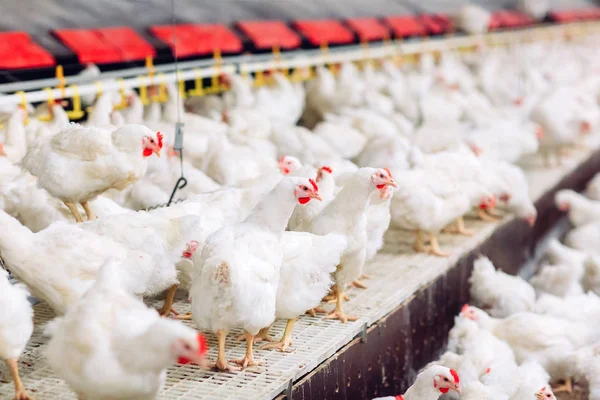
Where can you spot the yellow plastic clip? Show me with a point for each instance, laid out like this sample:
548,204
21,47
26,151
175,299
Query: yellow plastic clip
259,78
60,75
198,90
277,60
181,86
143,91
76,112
162,89
150,66
325,51
24,106
123,104
215,86
49,117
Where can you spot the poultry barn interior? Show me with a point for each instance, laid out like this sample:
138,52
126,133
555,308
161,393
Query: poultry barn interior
321,199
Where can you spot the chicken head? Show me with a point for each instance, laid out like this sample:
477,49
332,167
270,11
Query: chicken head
288,164
487,202
446,382
188,351
152,145
383,178
545,394
305,192
324,170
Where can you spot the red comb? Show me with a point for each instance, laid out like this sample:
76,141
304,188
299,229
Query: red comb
455,376
388,171
160,139
399,397
487,371
326,168
314,185
543,389
465,308
202,348
281,159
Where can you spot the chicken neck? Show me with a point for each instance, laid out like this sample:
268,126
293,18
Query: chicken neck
276,208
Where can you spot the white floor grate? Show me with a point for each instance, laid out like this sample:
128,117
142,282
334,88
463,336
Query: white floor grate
396,273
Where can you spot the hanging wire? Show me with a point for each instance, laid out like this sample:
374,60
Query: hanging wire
178,145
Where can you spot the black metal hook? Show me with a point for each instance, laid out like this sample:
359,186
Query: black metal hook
181,183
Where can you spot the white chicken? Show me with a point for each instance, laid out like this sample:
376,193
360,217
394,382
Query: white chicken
430,384
561,280
547,340
65,261
347,215
580,209
498,293
308,262
110,345
241,263
16,327
14,141
78,164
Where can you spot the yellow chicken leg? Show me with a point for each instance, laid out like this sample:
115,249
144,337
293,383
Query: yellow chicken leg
313,311
248,360
435,247
222,363
20,393
73,208
486,217
88,211
263,334
460,228
286,339
419,246
567,387
167,307
338,313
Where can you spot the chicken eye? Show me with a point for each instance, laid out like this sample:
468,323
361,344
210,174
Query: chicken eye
381,175
548,395
151,140
445,379
304,188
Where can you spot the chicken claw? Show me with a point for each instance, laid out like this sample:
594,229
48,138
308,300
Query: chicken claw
224,366
184,317
20,393
313,311
358,284
460,228
248,360
362,277
486,217
286,339
167,308
339,314
333,299
435,247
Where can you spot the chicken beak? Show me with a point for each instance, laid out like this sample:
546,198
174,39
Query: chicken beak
316,196
456,388
392,183
539,396
530,220
156,151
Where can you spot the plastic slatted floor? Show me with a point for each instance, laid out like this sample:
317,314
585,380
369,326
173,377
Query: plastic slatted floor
396,273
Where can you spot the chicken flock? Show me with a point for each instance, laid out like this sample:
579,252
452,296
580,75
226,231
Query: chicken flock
291,188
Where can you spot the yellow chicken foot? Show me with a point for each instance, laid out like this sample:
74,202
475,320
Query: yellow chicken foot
222,363
313,311
20,393
567,387
334,298
486,217
419,246
435,247
167,307
286,339
357,283
362,277
73,208
338,313
184,317
88,211
248,360
263,334
460,228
